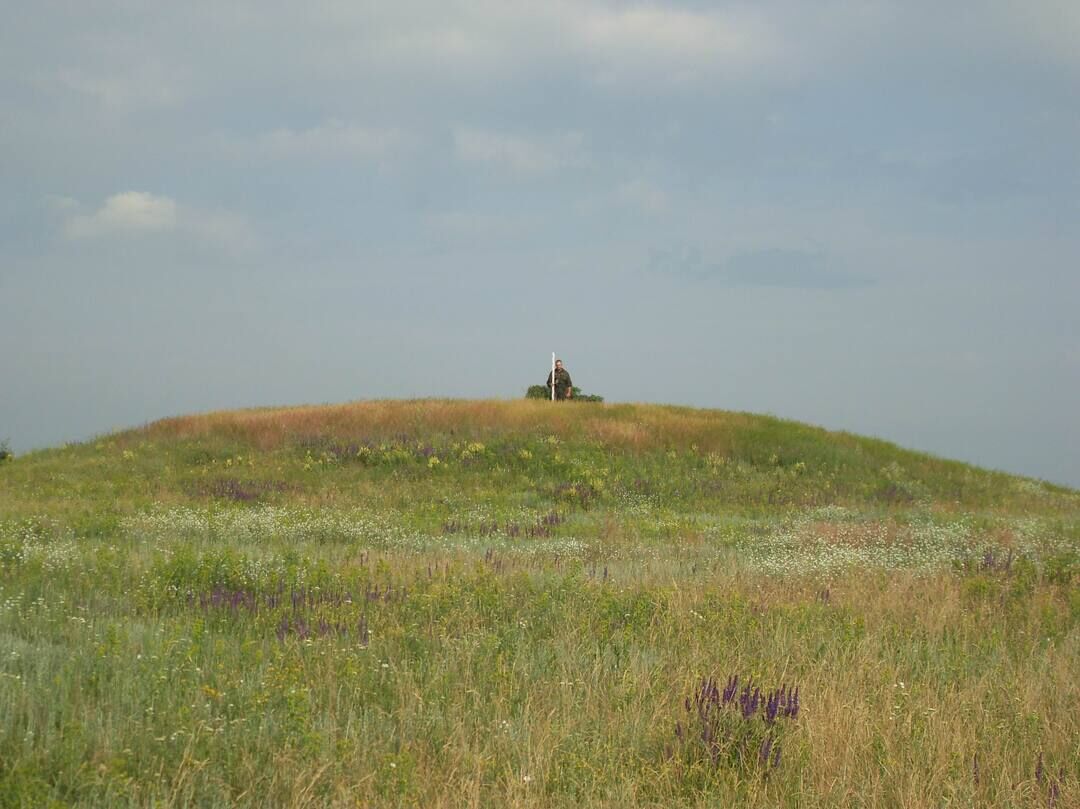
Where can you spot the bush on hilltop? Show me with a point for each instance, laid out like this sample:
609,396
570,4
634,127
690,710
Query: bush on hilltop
543,392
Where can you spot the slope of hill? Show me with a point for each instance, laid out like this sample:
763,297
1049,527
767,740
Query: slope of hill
523,449
515,603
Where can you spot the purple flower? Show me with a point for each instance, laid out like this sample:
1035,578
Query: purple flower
731,688
772,705
766,748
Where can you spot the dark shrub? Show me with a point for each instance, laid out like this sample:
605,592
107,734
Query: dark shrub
543,392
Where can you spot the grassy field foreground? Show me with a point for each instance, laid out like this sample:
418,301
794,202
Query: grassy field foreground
446,603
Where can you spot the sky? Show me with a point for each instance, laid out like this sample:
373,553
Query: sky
861,215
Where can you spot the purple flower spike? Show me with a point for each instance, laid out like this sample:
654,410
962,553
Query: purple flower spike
772,705
766,748
730,689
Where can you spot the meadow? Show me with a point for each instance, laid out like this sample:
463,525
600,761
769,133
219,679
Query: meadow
526,604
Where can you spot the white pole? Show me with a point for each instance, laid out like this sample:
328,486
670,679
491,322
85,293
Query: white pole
553,376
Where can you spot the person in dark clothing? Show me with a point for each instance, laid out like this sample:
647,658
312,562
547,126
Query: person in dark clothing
564,388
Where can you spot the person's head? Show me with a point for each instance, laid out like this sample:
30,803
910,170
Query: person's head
558,364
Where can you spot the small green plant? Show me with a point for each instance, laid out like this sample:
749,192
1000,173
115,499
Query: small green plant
1063,568
5,451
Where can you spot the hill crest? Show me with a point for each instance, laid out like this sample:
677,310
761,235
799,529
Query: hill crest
713,459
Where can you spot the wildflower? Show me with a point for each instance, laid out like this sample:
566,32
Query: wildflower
766,748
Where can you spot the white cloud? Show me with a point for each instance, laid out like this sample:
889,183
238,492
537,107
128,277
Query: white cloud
220,229
1048,31
637,196
473,41
668,43
127,212
133,214
60,204
643,196
333,139
516,153
150,86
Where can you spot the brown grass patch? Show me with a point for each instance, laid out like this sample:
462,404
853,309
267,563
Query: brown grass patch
624,426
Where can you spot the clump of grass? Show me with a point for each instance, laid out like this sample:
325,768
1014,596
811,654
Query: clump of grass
736,727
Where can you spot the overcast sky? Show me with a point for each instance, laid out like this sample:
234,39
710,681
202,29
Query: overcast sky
862,215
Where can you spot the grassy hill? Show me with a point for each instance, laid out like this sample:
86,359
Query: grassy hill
524,604
708,459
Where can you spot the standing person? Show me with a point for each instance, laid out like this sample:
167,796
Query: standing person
564,388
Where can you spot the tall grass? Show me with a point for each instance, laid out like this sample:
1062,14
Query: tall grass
299,607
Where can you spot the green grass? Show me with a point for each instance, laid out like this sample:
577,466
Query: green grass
303,607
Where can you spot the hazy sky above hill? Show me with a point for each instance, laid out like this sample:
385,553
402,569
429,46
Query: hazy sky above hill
865,215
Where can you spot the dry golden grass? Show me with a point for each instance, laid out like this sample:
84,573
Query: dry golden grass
626,426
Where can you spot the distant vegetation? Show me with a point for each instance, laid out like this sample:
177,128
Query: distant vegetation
5,451
447,603
544,392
